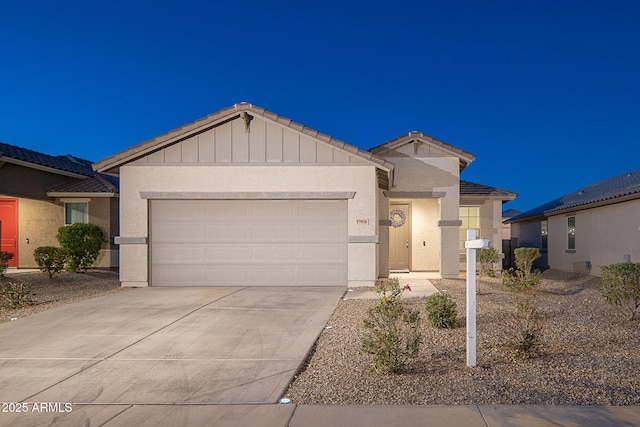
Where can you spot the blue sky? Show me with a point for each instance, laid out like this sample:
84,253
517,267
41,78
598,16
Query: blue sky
546,94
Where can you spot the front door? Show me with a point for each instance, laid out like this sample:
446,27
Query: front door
399,237
9,228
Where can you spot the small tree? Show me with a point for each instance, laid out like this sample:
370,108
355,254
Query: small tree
525,258
392,333
81,244
50,259
487,258
5,257
621,286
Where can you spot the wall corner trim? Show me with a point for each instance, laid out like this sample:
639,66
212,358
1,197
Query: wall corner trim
125,240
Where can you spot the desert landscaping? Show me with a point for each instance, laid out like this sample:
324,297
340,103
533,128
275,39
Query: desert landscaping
588,355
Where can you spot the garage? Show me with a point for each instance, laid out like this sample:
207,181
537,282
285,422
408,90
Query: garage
248,242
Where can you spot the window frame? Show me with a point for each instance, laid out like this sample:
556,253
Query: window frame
67,205
462,237
571,233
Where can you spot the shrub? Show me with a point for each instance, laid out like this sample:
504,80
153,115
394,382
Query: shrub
441,310
518,281
15,295
621,286
487,258
81,244
524,328
50,259
525,258
5,257
392,332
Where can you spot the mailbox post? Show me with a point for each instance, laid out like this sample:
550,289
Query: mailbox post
472,244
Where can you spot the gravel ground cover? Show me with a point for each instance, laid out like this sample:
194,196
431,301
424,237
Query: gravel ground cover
590,353
63,288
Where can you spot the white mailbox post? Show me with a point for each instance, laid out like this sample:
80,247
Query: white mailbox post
472,244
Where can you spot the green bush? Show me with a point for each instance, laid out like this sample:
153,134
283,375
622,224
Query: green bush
81,244
441,310
50,259
15,295
518,281
392,335
621,286
5,257
525,258
487,258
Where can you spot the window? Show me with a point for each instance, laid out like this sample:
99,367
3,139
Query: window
470,217
544,234
76,212
571,233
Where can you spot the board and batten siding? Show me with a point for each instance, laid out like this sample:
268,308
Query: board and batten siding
264,143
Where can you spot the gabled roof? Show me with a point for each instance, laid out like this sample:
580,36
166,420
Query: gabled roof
226,114
613,190
465,156
472,189
509,213
86,179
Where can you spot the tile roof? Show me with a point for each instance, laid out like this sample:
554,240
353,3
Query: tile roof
624,186
88,181
465,156
67,162
94,184
472,189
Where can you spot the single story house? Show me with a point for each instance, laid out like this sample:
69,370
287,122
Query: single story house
582,231
247,197
40,193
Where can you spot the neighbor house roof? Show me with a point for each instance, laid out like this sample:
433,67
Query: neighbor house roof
613,190
230,113
465,156
472,189
83,179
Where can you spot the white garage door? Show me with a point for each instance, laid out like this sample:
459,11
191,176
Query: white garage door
248,242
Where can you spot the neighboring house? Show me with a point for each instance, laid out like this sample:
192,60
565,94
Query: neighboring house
247,197
40,193
584,230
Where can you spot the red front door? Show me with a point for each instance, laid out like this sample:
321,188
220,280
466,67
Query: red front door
9,228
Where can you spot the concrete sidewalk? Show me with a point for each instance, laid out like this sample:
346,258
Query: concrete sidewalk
274,415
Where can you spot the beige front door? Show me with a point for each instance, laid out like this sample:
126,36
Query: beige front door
399,237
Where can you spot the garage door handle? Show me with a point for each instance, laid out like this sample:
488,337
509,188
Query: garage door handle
407,243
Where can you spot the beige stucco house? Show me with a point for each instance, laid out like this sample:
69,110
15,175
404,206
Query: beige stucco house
40,193
247,197
584,230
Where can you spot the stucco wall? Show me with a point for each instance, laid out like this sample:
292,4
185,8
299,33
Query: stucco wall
434,216
604,235
362,215
39,221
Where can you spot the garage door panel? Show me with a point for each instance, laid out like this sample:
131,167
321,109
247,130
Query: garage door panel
248,242
322,232
227,232
274,253
273,209
226,253
322,254
271,232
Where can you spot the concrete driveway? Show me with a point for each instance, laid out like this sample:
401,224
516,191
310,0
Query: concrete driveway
160,346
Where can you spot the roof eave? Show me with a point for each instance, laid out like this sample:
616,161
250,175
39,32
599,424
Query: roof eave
596,204
81,194
41,167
